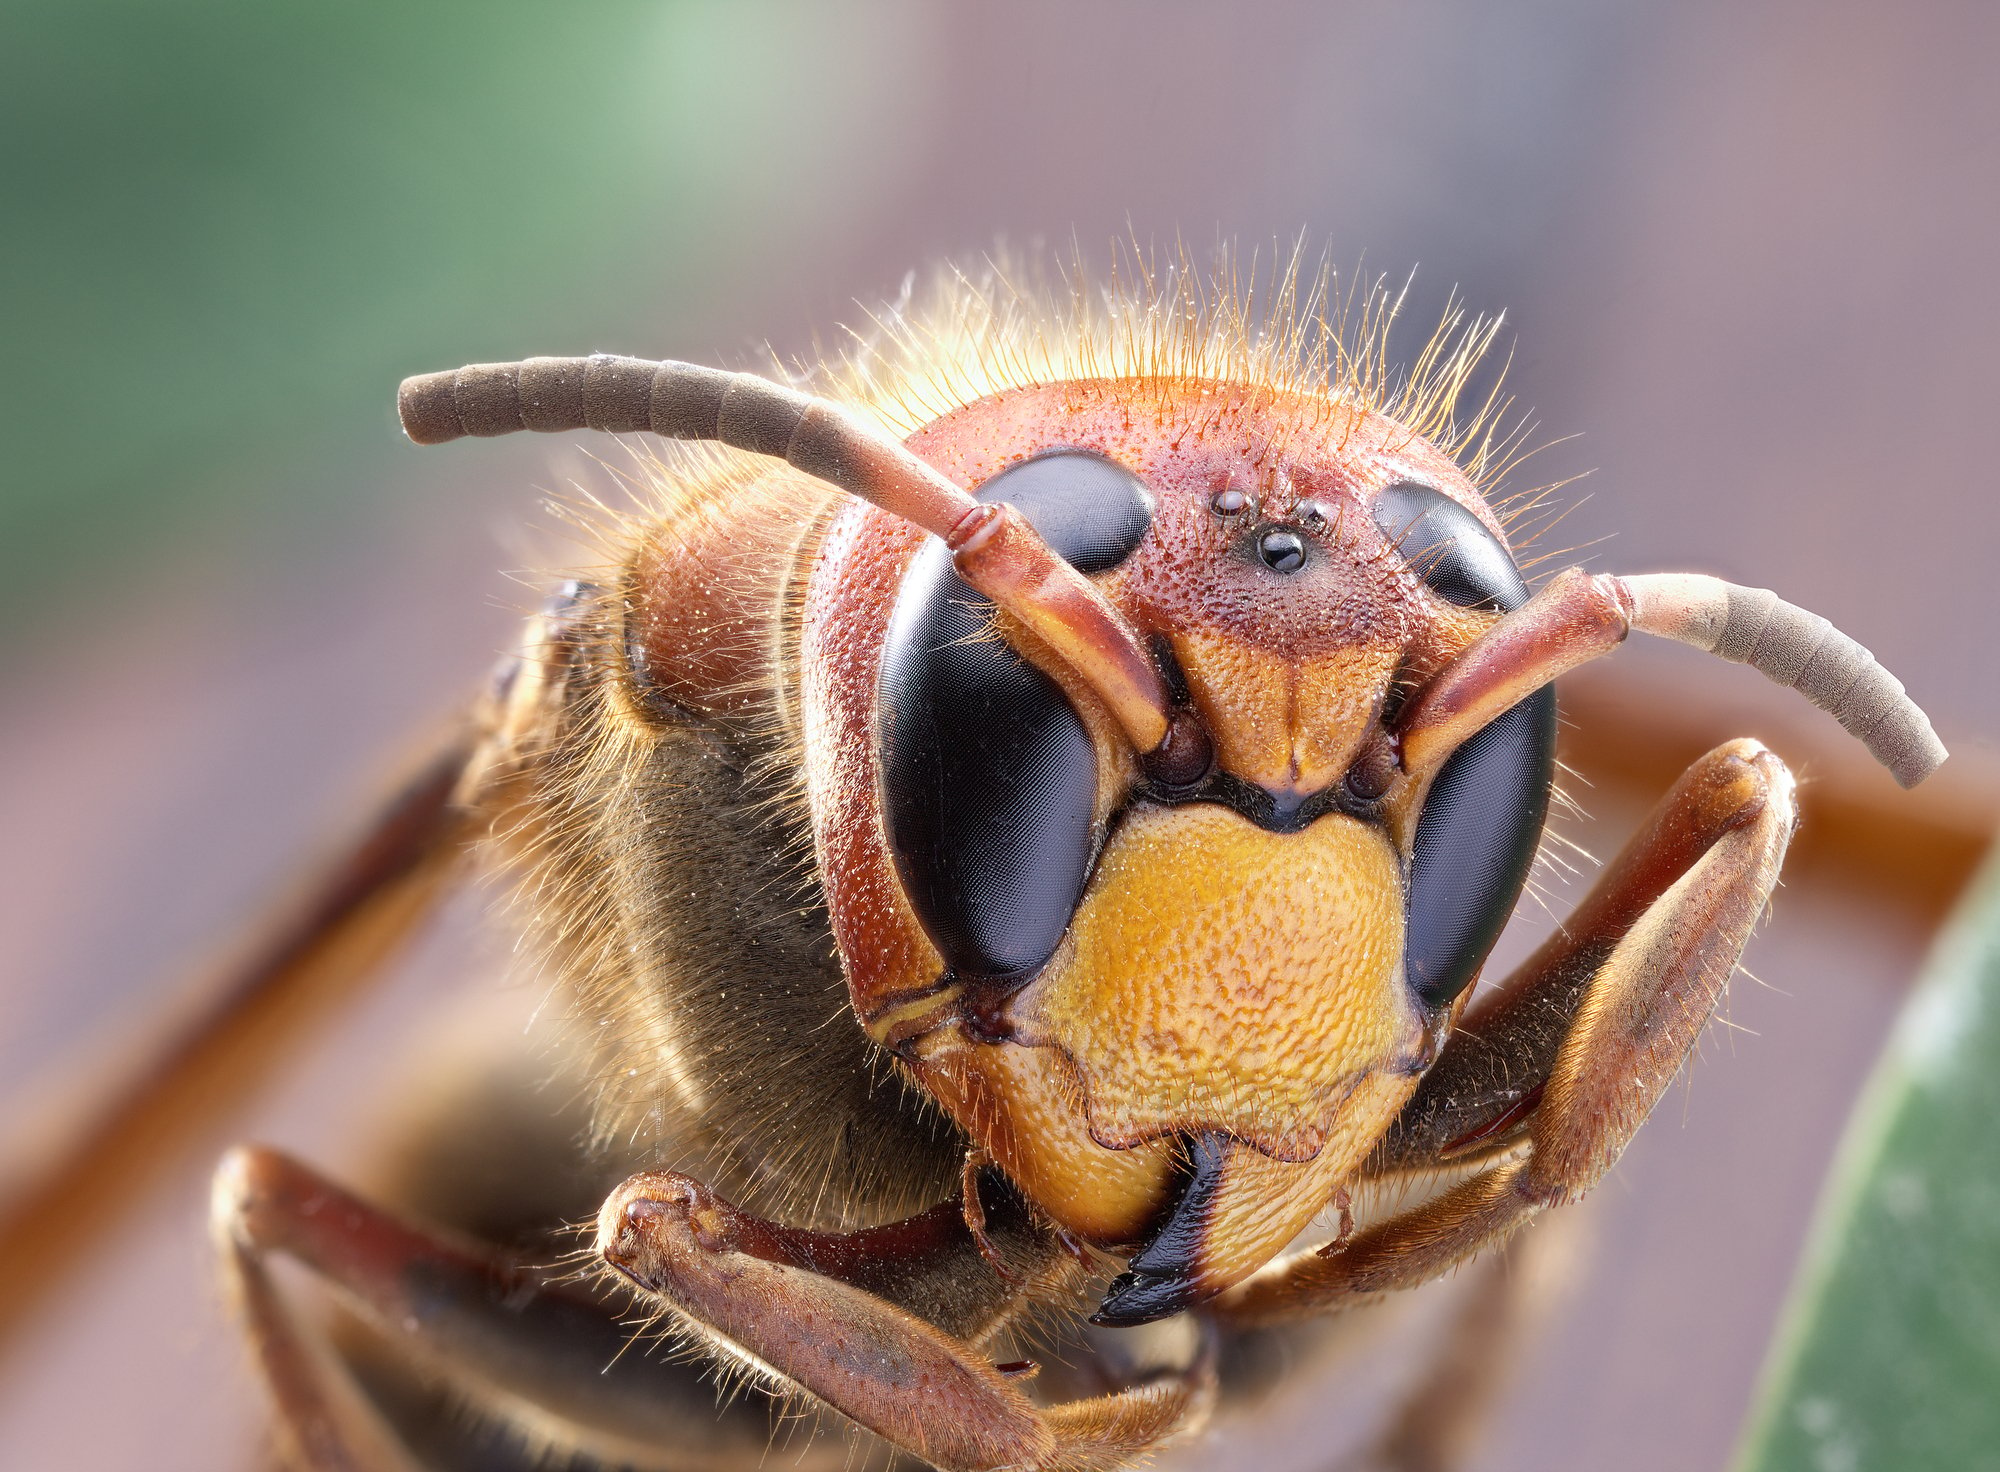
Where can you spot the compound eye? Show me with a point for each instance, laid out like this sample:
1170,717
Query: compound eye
989,779
1449,548
1481,823
1483,817
1087,506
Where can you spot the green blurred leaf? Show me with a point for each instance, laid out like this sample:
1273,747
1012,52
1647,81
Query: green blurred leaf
1889,1352
230,227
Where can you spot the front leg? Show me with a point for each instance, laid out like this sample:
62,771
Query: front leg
533,1344
1578,1048
814,1312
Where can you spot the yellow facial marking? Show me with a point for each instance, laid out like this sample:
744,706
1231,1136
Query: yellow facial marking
1221,977
1020,1104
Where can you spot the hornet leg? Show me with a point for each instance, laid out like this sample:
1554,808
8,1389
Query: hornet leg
1577,1050
816,1314
523,1335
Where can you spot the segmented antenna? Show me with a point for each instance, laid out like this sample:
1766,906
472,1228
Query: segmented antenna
1579,616
1799,650
682,401
994,547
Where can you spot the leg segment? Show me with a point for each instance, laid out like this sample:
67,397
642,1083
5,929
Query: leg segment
1438,1424
488,1323
1579,1049
1433,1427
1492,1072
821,1316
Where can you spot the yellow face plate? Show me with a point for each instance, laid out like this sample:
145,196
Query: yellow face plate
1222,977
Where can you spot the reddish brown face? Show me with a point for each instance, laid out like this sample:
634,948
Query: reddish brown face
1288,609
1169,780
1216,955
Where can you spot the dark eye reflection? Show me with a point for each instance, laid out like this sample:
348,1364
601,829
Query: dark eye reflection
1281,550
1449,548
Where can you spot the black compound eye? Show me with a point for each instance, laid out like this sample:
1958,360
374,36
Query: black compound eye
1475,842
1483,817
1091,509
1449,548
989,779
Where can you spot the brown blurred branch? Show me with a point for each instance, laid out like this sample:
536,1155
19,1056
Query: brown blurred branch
1636,729
86,1141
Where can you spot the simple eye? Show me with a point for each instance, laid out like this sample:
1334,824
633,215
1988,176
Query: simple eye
1282,550
1449,548
989,779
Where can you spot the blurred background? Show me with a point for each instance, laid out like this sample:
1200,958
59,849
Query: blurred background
1745,253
